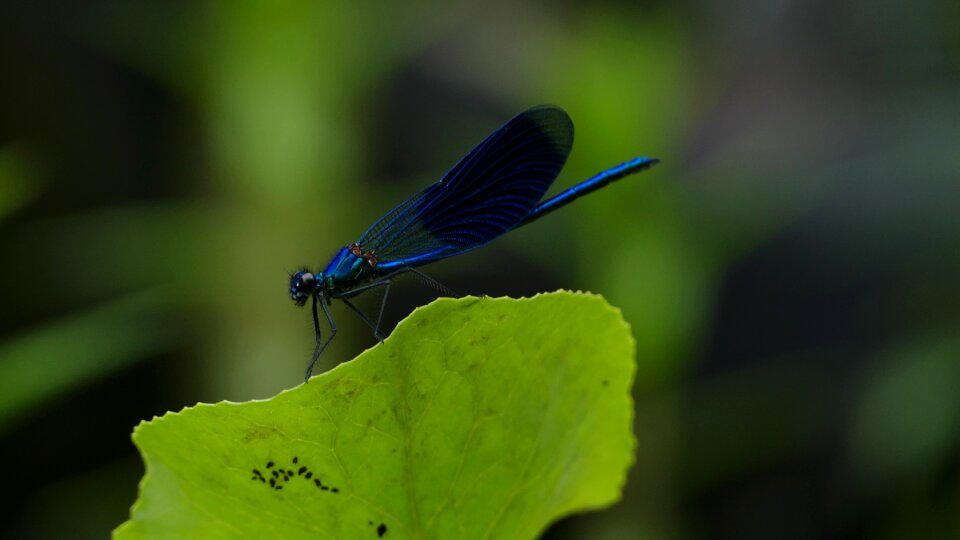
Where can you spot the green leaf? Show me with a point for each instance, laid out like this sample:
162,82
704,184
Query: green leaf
477,418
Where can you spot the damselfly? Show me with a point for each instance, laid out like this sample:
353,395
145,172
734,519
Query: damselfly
494,189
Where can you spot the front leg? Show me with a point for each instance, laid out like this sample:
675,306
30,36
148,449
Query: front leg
316,326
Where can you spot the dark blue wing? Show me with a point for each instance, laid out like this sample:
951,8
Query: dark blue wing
489,192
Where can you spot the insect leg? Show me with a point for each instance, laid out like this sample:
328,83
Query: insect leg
436,284
389,278
386,281
356,292
316,323
376,331
383,305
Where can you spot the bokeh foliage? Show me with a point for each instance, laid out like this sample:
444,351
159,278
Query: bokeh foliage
789,270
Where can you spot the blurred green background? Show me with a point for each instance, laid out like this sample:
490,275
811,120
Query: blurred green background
790,269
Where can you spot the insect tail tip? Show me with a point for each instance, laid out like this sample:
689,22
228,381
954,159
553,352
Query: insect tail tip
644,163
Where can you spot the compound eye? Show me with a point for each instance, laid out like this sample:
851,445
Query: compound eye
308,279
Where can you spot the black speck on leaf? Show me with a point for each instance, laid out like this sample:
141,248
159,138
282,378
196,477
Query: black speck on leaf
381,530
269,464
294,459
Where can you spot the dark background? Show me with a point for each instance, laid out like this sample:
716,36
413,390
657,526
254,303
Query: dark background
790,270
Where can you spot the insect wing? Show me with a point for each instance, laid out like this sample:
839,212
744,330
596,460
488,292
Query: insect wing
489,192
